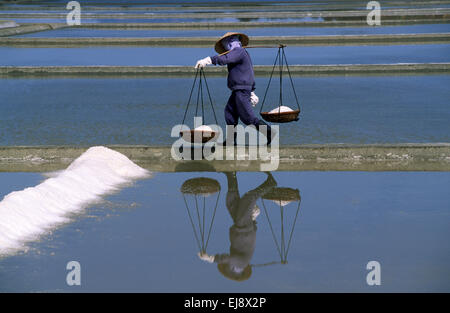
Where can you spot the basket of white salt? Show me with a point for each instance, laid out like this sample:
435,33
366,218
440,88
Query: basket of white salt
200,134
283,195
281,114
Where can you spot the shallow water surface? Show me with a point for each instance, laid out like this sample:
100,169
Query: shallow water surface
92,111
263,31
134,56
144,238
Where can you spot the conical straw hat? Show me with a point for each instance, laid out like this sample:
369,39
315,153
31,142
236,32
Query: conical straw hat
242,37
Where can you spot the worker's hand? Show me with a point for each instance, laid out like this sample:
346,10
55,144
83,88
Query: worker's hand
203,62
254,99
205,257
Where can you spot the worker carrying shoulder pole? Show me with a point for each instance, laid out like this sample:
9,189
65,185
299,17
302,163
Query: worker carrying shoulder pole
241,80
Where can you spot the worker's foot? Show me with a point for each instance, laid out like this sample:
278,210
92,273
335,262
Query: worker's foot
269,133
270,180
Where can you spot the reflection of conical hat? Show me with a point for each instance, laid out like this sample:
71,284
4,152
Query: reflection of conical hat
283,195
200,186
219,47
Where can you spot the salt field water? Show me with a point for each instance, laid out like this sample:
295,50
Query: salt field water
143,110
161,20
272,31
344,220
13,56
87,175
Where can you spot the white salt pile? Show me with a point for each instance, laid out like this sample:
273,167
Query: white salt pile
204,128
26,214
281,109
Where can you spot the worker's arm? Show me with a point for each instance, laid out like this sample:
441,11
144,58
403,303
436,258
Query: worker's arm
234,56
221,258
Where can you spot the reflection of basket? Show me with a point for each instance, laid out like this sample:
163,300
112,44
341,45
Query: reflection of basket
200,186
282,197
197,136
282,194
195,192
281,117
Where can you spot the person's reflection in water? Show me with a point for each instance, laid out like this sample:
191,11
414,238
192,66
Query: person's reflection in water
236,264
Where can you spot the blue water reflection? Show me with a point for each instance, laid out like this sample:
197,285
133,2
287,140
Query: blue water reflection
142,239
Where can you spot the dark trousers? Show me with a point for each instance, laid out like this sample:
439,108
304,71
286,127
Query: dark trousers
239,106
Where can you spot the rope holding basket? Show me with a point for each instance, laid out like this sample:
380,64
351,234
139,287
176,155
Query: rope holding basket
201,134
280,116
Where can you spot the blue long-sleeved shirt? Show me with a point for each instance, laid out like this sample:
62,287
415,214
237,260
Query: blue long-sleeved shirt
240,69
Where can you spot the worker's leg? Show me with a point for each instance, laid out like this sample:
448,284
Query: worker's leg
232,198
268,131
244,107
231,118
247,115
231,112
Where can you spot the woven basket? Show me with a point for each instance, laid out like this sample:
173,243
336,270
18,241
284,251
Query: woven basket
281,117
197,136
200,186
282,194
